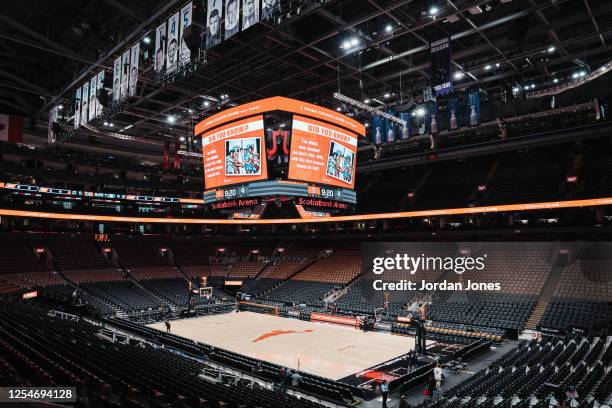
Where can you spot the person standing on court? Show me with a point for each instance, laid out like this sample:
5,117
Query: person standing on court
167,326
384,390
438,375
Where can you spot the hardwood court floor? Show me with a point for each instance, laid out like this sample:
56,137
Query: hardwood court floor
324,349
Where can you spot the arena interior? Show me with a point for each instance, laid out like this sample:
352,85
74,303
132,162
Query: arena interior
306,203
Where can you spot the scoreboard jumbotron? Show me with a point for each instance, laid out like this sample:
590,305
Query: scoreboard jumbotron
280,148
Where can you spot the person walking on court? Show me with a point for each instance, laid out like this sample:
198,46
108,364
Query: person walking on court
167,326
384,389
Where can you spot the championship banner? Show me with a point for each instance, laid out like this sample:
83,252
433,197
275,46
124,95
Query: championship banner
93,88
117,79
84,103
441,66
473,107
406,131
99,106
377,130
232,17
186,17
390,129
213,23
53,114
235,153
77,108
434,118
125,74
322,153
173,42
250,13
452,110
160,46
134,69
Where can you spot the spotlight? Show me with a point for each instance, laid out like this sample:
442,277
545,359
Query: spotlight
346,45
516,89
366,100
526,87
458,75
582,74
171,119
387,95
551,49
487,67
497,65
146,39
532,86
182,138
339,109
433,10
366,124
105,123
420,112
111,125
60,107
354,42
206,103
555,80
389,28
574,75
190,111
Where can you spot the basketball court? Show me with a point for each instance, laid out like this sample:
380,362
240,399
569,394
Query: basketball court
324,349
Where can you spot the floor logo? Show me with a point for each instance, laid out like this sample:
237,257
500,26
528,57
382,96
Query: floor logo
279,333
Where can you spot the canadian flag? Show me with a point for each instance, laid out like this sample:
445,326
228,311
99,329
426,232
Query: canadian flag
11,128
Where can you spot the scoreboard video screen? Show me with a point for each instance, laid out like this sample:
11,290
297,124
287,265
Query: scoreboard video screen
322,153
234,153
279,147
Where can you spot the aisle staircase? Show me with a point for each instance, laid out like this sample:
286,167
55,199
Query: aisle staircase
548,290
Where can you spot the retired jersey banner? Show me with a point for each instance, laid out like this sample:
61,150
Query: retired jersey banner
173,43
84,103
93,89
186,17
232,17
135,51
99,106
250,13
77,108
117,79
441,65
125,74
160,48
53,115
213,23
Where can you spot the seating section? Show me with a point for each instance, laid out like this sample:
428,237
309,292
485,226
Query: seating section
162,272
300,292
245,270
124,295
563,314
37,350
100,275
75,254
134,253
174,291
17,256
34,279
522,375
340,267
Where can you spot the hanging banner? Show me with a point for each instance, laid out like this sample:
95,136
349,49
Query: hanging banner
173,42
160,47
434,118
117,79
77,108
390,129
377,130
166,162
452,110
270,10
84,103
186,17
134,69
473,107
441,66
213,23
11,128
177,156
232,17
93,88
427,94
406,131
53,115
250,13
99,106
125,74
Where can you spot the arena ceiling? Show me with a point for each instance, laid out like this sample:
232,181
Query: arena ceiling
367,49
